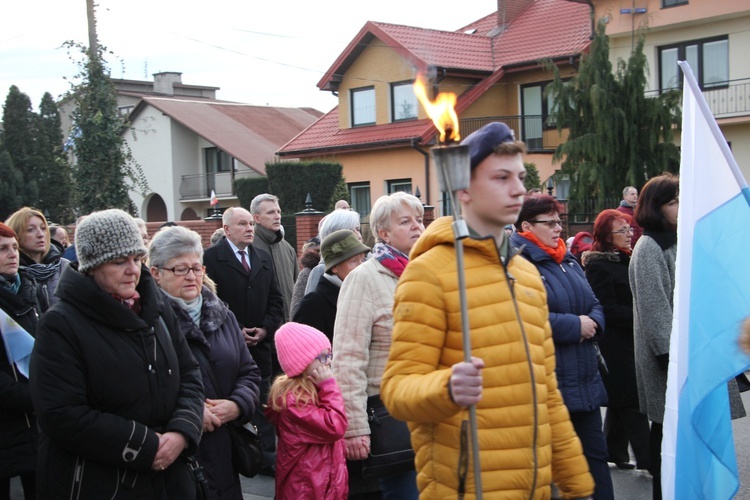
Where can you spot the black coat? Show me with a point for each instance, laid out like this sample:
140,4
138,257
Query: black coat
104,381
318,308
221,343
253,297
607,273
18,431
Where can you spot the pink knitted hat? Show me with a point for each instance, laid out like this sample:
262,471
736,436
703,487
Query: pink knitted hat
297,345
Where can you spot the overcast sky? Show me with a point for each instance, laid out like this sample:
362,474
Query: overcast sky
272,52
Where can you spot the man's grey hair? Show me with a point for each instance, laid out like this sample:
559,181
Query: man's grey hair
255,204
386,206
628,188
172,242
140,222
338,219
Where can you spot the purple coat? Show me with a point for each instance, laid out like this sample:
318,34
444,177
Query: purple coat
220,339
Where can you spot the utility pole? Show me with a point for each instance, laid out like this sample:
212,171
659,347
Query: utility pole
90,14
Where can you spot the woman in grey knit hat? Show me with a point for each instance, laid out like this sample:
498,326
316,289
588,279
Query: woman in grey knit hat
118,395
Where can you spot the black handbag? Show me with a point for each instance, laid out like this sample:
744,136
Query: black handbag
247,453
390,443
201,483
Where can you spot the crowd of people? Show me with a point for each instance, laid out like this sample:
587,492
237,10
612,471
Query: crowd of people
148,349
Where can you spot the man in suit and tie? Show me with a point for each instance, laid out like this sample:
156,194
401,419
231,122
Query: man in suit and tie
246,280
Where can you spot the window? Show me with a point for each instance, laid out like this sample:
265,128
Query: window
672,3
399,185
535,108
217,161
363,106
403,102
709,60
359,194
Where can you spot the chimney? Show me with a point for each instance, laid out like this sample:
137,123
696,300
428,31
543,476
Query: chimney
508,10
164,82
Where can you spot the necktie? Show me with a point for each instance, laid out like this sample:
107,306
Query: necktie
244,260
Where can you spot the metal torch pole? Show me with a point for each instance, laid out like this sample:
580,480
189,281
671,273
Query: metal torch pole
453,173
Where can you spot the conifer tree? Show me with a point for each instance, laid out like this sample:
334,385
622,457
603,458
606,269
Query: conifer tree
104,171
18,139
55,181
11,186
617,135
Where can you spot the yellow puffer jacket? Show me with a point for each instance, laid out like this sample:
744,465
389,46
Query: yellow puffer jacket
526,439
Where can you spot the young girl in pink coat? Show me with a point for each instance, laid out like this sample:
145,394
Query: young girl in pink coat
307,409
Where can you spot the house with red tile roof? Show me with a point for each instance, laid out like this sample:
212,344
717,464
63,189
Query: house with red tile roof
189,148
712,36
382,135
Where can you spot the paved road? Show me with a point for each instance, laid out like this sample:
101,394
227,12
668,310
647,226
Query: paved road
629,485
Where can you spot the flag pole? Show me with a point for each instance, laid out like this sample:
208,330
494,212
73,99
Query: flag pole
454,172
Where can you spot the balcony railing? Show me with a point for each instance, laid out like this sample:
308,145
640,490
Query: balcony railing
728,101
527,128
200,185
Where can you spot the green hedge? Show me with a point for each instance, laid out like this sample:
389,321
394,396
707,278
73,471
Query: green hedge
291,182
247,189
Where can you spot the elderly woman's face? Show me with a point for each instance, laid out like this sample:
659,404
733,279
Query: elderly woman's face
120,276
172,280
406,227
546,227
8,256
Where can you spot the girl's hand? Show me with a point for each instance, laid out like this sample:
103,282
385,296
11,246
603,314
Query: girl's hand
320,373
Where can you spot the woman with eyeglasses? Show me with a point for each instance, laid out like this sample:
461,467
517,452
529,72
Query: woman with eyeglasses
577,321
117,393
607,272
230,376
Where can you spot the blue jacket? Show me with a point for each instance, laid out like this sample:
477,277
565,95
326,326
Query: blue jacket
569,296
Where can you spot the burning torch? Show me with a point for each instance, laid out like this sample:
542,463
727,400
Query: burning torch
454,171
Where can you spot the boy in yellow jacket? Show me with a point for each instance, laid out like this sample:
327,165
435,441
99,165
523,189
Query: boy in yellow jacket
526,440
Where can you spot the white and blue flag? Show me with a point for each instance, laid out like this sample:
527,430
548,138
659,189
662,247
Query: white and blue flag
18,343
711,299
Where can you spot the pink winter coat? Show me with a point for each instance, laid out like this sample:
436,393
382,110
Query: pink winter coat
310,460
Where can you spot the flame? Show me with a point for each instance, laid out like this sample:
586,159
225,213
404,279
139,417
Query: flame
442,110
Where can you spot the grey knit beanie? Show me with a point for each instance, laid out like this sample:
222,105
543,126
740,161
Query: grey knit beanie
107,235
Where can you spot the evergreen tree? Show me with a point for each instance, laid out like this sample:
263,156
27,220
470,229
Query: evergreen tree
18,139
617,136
55,181
11,186
531,181
104,170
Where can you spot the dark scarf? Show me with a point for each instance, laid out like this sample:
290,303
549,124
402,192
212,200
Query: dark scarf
12,283
41,273
665,239
390,258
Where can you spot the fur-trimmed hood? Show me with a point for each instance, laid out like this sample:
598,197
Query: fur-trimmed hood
591,256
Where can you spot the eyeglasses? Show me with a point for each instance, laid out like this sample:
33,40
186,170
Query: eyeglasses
549,223
183,271
624,231
324,358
